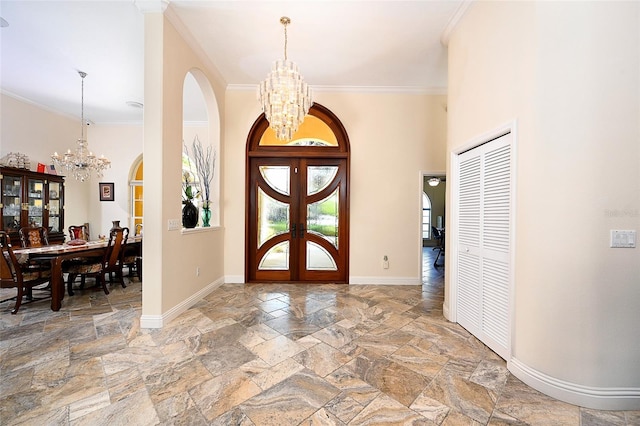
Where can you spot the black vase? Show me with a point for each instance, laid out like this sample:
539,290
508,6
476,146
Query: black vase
189,215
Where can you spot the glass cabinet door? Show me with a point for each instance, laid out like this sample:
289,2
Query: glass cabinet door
55,193
35,201
11,202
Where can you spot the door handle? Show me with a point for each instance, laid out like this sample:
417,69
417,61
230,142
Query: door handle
302,230
293,230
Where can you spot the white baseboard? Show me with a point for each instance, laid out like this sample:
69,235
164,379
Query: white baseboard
239,279
584,396
234,279
158,321
445,311
385,280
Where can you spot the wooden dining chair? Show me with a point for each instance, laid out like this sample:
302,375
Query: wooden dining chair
132,256
34,236
439,237
109,263
23,276
79,232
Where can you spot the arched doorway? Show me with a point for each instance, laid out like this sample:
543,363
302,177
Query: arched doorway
297,219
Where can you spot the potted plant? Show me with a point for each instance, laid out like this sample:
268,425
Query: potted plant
189,209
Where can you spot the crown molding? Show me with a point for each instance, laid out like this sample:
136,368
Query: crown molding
38,105
184,32
453,21
354,89
151,6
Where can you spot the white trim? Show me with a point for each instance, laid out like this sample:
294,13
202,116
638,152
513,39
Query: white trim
445,312
454,21
151,6
419,90
151,321
199,229
234,279
37,105
421,191
158,321
451,243
384,280
584,396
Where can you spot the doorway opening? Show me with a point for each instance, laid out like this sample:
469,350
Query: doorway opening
297,222
433,198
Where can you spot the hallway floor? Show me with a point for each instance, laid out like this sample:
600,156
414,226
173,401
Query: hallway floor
265,355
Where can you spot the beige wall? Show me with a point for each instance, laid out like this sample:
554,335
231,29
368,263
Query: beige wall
39,133
393,138
172,257
567,72
122,144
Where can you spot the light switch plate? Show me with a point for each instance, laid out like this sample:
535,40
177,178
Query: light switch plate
623,238
174,224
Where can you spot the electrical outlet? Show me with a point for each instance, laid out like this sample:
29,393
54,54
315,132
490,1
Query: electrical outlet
385,262
174,224
197,271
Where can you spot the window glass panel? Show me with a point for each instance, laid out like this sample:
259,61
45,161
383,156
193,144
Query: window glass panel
54,206
426,216
277,177
11,193
273,217
322,218
312,132
136,193
276,258
319,177
319,259
308,142
35,197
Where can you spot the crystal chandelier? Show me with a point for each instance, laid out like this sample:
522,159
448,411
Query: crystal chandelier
284,96
81,162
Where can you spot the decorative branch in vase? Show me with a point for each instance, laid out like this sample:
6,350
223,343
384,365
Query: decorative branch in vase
205,165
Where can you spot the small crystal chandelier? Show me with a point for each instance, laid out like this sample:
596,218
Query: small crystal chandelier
284,96
81,162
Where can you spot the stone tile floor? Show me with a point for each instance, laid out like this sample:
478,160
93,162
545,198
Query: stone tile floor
265,354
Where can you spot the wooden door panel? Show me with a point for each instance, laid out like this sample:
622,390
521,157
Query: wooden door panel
297,230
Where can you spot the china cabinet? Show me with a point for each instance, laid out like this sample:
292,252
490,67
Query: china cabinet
31,199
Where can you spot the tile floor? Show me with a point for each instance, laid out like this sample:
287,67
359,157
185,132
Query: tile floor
265,355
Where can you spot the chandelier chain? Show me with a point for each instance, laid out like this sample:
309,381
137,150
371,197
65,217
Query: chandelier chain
83,75
285,37
81,162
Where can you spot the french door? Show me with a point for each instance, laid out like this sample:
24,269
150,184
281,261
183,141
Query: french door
297,220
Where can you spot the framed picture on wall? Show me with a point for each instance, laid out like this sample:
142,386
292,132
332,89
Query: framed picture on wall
106,191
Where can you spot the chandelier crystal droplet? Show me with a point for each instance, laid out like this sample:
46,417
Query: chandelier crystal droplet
81,162
284,95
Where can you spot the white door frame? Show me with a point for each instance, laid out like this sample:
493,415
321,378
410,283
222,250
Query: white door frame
451,251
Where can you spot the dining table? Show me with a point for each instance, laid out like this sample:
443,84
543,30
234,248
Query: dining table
57,254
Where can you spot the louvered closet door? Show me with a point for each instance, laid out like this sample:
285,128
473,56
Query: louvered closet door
484,237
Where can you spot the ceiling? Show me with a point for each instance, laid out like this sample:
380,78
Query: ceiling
339,45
